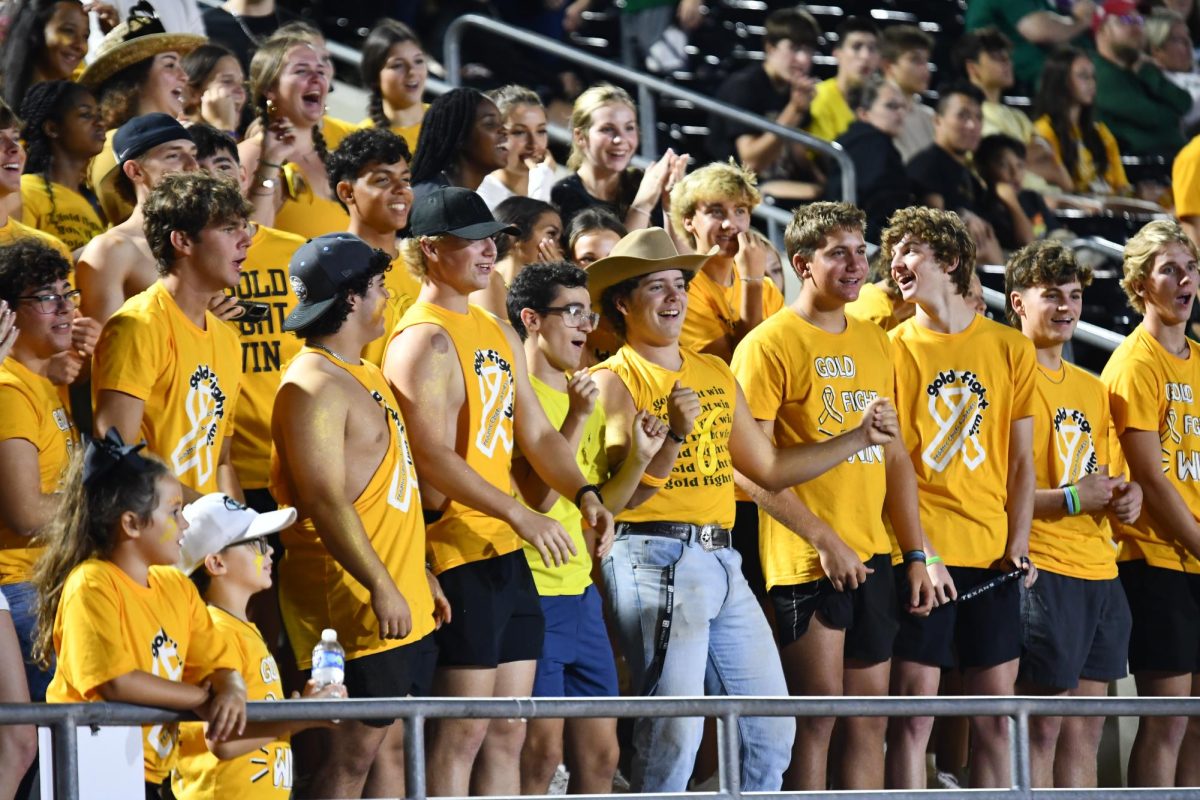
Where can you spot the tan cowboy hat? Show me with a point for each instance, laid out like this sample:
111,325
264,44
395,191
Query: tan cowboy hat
640,253
139,37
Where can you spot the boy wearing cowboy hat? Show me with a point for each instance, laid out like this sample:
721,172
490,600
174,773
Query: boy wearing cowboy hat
674,531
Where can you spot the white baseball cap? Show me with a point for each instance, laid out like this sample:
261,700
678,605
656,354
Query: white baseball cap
216,521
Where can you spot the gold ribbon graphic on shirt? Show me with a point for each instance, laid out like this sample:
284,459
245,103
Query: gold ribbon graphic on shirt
830,412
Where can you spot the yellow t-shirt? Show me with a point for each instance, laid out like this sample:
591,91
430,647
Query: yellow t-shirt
464,534
265,349
1070,440
33,409
303,212
315,591
1113,181
713,310
264,773
13,230
958,395
108,626
873,305
1151,390
699,489
59,211
1185,179
409,133
102,175
814,385
188,378
830,114
575,576
403,288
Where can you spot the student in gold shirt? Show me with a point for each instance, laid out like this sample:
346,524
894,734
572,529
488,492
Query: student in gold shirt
808,374
1075,619
37,435
166,369
964,390
674,533
12,156
1152,380
461,380
355,559
370,177
710,208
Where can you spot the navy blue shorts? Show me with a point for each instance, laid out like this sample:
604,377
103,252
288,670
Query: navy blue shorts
1165,605
1073,628
577,657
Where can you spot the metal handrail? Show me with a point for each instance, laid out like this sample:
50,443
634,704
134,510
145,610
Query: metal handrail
64,718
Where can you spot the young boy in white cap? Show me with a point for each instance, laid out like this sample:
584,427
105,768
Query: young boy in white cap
225,551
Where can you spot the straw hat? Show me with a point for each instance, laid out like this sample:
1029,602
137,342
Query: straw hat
139,37
640,253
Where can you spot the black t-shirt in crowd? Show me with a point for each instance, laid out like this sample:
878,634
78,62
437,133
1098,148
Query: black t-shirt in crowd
935,171
881,185
751,89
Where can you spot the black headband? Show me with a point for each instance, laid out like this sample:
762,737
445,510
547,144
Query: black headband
104,456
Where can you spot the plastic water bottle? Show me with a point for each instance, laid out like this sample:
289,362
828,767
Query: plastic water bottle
328,660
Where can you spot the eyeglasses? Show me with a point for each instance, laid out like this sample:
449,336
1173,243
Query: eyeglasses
50,303
258,545
574,315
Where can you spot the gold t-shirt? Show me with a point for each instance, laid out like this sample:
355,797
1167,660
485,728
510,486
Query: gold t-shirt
315,591
1070,440
12,231
266,347
409,133
403,288
875,306
188,378
713,310
464,534
33,409
699,489
60,211
958,395
108,626
303,212
815,385
1151,390
264,774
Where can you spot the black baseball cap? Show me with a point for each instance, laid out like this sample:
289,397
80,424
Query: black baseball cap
321,268
140,134
455,211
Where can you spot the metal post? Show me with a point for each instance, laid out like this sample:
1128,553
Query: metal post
729,767
1018,749
648,121
65,744
414,757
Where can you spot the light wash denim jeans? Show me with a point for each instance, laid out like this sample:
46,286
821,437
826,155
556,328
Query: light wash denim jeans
720,644
22,601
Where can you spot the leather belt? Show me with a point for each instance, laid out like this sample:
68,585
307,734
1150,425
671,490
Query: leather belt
710,537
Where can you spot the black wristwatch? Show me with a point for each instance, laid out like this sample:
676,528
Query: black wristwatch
675,437
588,487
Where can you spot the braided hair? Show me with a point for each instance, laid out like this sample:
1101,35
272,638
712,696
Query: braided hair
380,41
26,39
48,101
445,132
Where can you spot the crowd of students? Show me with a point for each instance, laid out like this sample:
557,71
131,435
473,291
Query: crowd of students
516,429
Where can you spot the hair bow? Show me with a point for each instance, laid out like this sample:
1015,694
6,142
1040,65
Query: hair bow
103,456
143,20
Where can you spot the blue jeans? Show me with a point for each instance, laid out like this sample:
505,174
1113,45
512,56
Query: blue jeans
719,643
22,601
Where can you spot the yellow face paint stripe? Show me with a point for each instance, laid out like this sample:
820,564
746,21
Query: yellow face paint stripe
258,564
170,531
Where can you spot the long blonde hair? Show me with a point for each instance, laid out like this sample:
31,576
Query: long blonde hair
586,105
265,68
85,526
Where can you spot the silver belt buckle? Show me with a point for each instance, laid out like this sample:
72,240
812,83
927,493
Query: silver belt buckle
706,536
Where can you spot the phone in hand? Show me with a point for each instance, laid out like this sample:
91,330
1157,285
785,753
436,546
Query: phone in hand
252,312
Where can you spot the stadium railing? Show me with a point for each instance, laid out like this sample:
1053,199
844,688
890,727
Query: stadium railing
63,720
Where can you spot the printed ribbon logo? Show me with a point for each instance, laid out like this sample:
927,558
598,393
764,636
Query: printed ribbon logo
164,663
205,407
495,377
1074,445
830,413
956,404
404,476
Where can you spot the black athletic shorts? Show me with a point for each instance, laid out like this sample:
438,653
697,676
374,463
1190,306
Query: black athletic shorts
867,614
982,632
495,613
1073,628
1165,605
398,672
